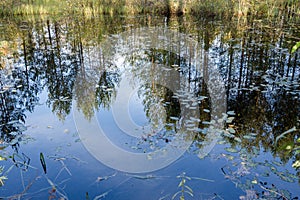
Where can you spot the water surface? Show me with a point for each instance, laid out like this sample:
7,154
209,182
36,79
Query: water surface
135,107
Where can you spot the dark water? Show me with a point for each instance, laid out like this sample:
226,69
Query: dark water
149,108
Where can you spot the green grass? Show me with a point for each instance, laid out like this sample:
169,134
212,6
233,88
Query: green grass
211,8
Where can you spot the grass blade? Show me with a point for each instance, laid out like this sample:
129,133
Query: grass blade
284,133
42,159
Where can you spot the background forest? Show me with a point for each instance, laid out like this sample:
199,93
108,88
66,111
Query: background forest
212,8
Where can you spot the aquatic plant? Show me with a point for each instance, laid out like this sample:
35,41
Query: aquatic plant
4,174
295,47
185,189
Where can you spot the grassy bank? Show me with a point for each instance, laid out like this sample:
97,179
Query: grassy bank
212,8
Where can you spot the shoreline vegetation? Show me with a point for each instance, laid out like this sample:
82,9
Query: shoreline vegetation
198,8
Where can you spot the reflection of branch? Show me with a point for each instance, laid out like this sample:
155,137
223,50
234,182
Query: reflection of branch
54,189
277,193
18,196
63,167
24,163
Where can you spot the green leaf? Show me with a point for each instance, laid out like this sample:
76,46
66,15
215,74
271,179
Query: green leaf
295,47
182,182
191,194
173,197
42,159
190,189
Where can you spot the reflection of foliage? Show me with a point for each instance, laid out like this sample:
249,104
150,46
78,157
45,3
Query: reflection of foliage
21,161
17,96
255,185
262,78
105,92
262,87
60,73
158,104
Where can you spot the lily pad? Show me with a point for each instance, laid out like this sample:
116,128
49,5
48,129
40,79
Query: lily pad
231,150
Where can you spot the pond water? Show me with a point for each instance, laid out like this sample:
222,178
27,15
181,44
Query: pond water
149,108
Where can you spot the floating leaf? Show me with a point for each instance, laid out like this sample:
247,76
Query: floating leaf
286,178
237,139
174,118
231,150
277,163
231,130
265,174
2,158
202,98
77,140
227,134
229,120
288,147
222,142
296,164
249,137
228,156
231,113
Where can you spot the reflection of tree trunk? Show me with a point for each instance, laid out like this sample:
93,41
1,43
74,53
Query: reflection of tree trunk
3,107
241,65
190,62
45,42
57,43
57,40
281,64
81,54
289,65
25,61
49,32
248,65
294,67
205,67
152,71
229,70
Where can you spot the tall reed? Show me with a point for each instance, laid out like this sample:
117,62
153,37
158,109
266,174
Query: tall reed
201,8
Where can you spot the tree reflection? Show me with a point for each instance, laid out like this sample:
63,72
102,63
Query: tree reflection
17,95
60,73
261,76
106,89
